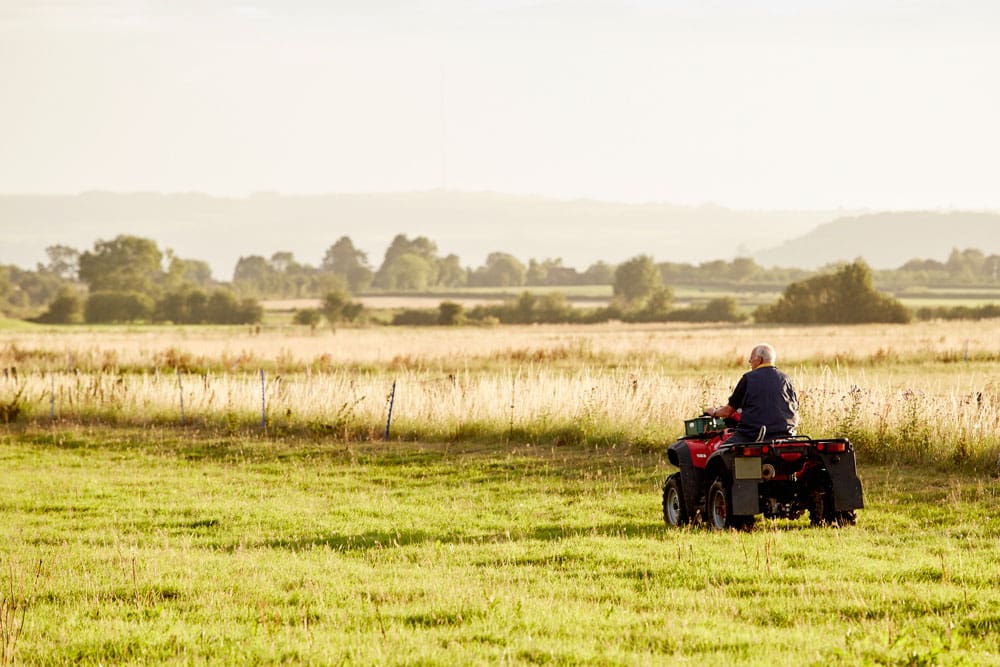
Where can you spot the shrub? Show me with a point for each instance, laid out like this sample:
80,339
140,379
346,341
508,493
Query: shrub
194,306
66,308
308,316
338,307
723,309
416,317
450,313
108,307
844,297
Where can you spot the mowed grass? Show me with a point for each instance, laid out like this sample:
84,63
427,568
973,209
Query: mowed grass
157,546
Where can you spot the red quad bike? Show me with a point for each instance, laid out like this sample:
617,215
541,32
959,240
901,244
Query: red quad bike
728,485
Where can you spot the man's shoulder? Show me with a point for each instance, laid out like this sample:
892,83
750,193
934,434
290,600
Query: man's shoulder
768,370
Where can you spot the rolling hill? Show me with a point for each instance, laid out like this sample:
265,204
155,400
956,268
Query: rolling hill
888,240
470,225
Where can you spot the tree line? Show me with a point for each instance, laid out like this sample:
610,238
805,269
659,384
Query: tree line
409,265
130,278
126,279
845,296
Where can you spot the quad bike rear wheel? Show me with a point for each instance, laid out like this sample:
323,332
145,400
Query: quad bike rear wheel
674,511
823,513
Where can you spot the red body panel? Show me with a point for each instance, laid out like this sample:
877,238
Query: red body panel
702,449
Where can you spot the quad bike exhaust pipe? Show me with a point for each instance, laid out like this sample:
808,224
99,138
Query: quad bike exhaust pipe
767,471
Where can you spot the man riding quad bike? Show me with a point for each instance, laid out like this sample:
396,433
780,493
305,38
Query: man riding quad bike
744,458
728,483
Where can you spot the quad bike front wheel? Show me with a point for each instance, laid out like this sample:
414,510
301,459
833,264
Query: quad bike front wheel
674,511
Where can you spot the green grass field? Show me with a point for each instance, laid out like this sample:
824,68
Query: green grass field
140,546
514,517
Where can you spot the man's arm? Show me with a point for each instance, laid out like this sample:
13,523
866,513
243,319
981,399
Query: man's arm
735,401
723,411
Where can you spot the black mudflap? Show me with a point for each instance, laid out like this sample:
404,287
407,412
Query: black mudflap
746,497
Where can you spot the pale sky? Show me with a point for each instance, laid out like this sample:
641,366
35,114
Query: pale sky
742,103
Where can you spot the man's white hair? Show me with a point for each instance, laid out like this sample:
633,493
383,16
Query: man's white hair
766,353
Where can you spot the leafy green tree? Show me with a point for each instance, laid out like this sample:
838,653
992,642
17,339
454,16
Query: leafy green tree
184,272
324,283
552,272
296,280
123,264
408,271
844,297
637,279
172,307
284,262
195,307
256,275
26,293
5,284
966,265
343,259
537,272
743,268
401,245
451,273
64,262
222,307
407,263
500,270
599,273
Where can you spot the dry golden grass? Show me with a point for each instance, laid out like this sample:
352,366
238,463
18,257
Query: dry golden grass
894,390
680,346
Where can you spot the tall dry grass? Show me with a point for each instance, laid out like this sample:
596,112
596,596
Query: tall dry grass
921,393
914,421
674,346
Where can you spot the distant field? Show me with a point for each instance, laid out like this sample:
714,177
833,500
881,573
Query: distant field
592,296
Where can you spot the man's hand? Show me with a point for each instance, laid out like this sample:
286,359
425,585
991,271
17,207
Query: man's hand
723,411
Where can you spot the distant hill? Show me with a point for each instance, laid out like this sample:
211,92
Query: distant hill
471,225
888,240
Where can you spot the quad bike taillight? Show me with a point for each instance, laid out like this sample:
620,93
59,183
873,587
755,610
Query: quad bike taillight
832,447
753,450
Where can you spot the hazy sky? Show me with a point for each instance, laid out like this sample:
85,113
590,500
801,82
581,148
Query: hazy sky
780,104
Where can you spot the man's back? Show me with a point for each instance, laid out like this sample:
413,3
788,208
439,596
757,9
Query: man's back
766,398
